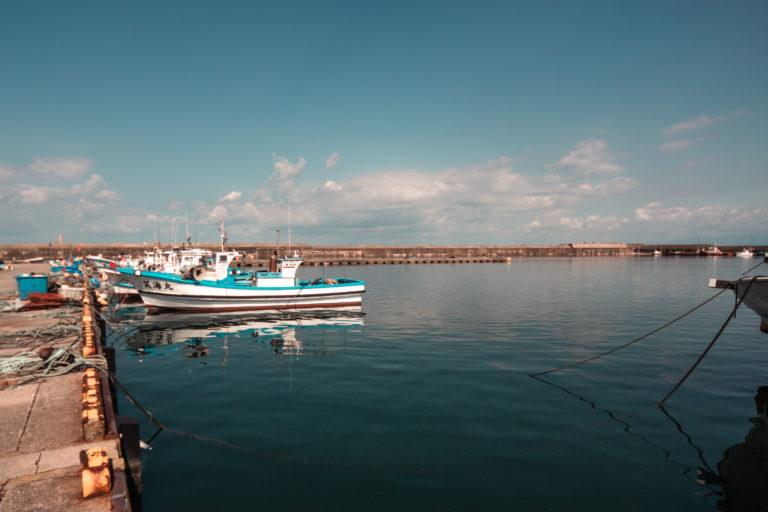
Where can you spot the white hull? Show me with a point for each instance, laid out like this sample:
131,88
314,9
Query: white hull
122,290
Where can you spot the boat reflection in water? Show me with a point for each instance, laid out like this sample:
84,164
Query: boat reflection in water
743,470
194,333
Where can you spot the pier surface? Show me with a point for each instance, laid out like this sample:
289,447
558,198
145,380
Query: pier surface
41,426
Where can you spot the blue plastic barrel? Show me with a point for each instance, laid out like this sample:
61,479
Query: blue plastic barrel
31,284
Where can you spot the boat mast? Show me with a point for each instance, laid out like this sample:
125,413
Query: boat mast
222,233
289,230
187,234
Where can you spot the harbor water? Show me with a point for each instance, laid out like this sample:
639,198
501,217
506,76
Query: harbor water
424,401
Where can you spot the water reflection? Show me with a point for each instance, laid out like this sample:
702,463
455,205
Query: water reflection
743,471
194,334
685,469
742,474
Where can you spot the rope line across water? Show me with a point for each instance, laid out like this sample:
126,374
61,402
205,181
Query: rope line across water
731,315
624,345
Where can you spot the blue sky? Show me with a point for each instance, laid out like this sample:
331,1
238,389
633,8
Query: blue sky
444,122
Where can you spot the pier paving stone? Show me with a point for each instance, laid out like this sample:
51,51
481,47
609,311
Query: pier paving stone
60,491
55,418
15,404
14,466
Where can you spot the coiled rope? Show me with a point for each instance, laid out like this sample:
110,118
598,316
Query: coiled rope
28,366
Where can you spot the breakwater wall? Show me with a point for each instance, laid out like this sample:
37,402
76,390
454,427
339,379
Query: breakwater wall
351,254
340,252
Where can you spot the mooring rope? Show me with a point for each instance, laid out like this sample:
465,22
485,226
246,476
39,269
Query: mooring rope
731,315
753,268
624,345
162,427
627,428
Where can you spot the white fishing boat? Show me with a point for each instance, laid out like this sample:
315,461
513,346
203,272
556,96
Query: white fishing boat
712,250
756,298
174,261
217,287
657,253
745,253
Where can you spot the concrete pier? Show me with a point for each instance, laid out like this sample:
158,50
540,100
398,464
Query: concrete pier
42,429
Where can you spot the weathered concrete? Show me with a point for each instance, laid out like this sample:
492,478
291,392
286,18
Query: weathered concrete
54,490
55,417
15,407
41,432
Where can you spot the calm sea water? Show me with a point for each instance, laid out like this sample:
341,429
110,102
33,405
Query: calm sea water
424,402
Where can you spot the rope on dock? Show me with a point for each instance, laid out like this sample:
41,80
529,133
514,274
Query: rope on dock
28,366
624,345
44,332
731,315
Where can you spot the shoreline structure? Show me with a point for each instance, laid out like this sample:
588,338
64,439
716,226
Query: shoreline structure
378,254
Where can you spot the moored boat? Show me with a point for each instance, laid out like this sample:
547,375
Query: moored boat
754,291
220,288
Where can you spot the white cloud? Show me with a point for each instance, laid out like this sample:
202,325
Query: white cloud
233,196
332,186
675,145
219,212
395,205
591,156
108,195
6,172
33,195
691,124
612,186
66,168
286,171
332,160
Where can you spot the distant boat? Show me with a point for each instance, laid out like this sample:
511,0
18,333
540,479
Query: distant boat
657,253
712,250
746,253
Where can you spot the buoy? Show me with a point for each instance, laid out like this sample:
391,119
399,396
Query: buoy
197,273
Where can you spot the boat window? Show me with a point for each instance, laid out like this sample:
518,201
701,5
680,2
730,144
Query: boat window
222,258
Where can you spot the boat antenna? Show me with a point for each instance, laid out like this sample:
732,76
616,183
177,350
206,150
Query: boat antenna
222,233
277,243
289,229
187,234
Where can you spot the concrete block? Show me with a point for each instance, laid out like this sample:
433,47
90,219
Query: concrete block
15,407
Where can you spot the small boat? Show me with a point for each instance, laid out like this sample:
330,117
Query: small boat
218,287
711,250
745,253
657,253
756,298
